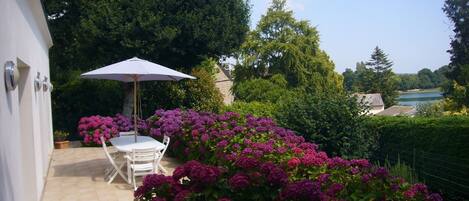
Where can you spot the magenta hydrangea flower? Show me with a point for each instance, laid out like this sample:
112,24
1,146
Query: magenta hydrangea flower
239,181
301,190
246,163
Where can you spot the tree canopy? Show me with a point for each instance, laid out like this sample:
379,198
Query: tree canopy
374,76
175,33
280,44
457,12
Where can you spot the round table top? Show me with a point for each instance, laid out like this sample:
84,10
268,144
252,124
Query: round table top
127,143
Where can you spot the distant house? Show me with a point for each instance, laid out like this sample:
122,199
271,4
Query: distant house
398,110
224,82
374,101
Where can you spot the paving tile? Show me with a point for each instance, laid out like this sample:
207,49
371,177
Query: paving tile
77,174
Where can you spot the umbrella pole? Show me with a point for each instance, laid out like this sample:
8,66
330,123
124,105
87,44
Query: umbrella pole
135,107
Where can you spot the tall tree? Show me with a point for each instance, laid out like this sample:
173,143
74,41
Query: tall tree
426,78
280,44
175,33
349,79
458,12
384,80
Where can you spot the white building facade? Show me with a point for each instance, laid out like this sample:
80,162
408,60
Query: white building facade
26,141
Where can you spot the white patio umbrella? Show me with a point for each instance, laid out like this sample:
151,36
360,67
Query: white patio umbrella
135,70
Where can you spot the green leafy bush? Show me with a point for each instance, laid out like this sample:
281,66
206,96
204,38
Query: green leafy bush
335,122
199,94
430,109
257,109
261,90
435,147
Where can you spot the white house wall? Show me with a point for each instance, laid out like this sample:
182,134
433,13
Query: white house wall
24,156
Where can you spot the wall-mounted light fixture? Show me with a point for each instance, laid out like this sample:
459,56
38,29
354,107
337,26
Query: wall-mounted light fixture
12,75
51,87
45,84
38,82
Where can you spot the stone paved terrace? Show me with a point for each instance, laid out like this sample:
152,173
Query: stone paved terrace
77,174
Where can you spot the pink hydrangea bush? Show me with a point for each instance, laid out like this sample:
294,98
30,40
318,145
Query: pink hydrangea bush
247,158
93,127
123,123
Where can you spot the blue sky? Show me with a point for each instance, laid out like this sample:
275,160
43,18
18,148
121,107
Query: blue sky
414,33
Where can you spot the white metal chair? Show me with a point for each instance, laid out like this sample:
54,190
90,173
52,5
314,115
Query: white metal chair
127,133
141,162
161,154
116,164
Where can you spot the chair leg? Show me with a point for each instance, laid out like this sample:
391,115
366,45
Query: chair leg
133,181
162,168
112,177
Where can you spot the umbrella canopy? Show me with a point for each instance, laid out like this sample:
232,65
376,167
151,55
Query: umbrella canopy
135,68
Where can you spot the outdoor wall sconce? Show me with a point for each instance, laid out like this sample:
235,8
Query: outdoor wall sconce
12,75
45,84
38,82
51,87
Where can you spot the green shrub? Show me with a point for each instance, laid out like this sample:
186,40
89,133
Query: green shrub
261,90
401,169
435,147
335,122
430,109
199,94
257,109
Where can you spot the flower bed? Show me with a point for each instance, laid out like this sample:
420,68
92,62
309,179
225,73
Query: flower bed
247,158
93,127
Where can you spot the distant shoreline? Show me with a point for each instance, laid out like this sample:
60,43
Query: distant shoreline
421,91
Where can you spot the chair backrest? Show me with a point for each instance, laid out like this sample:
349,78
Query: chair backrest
142,156
166,140
126,133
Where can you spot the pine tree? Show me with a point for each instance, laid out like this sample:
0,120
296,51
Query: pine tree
383,81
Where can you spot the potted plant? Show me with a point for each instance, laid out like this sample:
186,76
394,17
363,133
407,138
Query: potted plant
60,140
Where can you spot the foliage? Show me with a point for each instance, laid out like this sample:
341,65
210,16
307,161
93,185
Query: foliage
408,81
435,147
457,96
430,109
349,79
376,78
201,94
384,81
78,97
174,33
236,158
401,169
257,109
333,121
60,136
261,90
456,10
280,44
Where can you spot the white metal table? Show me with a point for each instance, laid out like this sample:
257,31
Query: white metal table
127,143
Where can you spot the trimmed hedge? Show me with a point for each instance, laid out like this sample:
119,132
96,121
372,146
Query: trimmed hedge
437,148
